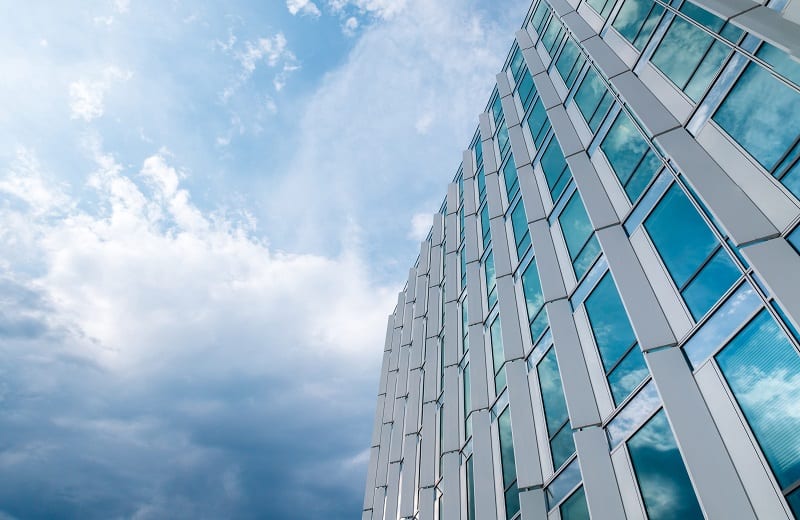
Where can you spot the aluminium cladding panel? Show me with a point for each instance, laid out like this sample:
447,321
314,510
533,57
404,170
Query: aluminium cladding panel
408,476
452,199
427,502
547,92
533,504
483,465
451,336
604,57
470,204
428,459
740,217
389,331
474,294
578,26
494,198
531,197
485,128
451,409
500,249
647,318
378,504
424,259
431,371
451,486
388,403
384,371
560,7
769,25
567,137
369,492
547,262
726,9
778,266
415,359
526,452
392,491
510,327
412,419
468,164
718,487
598,205
523,39
578,392
649,110
383,456
378,421
602,492
479,382
398,313
437,229
519,147
471,239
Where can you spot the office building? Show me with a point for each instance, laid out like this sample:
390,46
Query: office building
603,321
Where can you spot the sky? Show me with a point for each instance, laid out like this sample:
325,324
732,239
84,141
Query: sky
207,212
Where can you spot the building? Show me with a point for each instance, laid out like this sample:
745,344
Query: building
603,320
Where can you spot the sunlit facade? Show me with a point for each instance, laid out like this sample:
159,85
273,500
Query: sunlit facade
603,319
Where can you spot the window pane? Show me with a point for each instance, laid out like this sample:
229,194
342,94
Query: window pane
507,448
498,355
519,225
516,63
510,178
552,35
470,491
540,16
577,233
593,99
497,110
512,501
526,89
485,232
627,375
636,21
562,446
478,152
763,371
603,7
767,126
629,155
663,481
794,502
710,284
555,407
491,283
532,288
569,63
481,183
555,168
503,143
586,257
574,508
538,123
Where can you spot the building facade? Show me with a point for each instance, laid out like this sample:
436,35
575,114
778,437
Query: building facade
603,321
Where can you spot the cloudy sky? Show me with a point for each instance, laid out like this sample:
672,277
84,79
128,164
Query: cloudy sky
207,211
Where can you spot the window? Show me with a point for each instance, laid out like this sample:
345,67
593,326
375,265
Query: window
767,126
622,359
467,403
569,63
629,155
508,464
479,153
491,282
461,224
470,490
582,244
534,301
540,17
525,89
689,56
464,326
519,225
794,239
462,256
510,178
763,371
552,35
485,232
575,508
555,168
498,356
636,21
538,123
516,64
497,109
700,268
666,489
559,430
593,99
603,7
503,143
481,183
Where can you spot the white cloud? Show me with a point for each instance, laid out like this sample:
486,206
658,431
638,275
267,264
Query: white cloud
272,51
87,96
122,6
379,8
350,25
420,226
306,7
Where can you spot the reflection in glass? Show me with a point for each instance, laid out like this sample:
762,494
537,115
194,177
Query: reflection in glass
519,226
563,484
636,21
629,155
593,99
666,489
534,300
635,412
569,62
498,356
491,281
538,123
555,169
555,409
575,508
579,235
508,464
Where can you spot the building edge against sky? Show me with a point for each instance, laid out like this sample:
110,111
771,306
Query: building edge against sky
604,318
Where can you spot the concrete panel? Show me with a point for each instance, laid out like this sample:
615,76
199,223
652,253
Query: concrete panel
547,262
428,458
606,59
565,133
451,487
650,112
598,205
599,483
574,375
526,453
778,266
483,466
715,480
547,92
578,26
509,319
452,410
646,316
372,468
478,372
500,251
534,208
408,476
533,505
769,25
743,221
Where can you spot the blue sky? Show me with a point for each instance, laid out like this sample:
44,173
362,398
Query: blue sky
208,210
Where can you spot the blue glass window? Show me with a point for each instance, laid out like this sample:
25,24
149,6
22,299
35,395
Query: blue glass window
768,127
516,64
508,463
479,153
462,256
552,35
603,7
569,62
538,123
497,110
575,508
540,17
498,356
464,325
555,168
510,178
525,89
593,99
794,239
579,235
698,265
559,430
666,489
763,371
519,225
461,224
470,490
481,183
622,359
485,232
534,301
629,155
503,144
689,56
636,21
491,282
467,403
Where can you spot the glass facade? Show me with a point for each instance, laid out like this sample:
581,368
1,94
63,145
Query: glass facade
601,282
